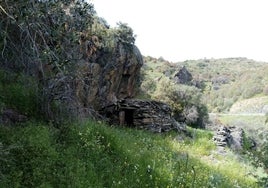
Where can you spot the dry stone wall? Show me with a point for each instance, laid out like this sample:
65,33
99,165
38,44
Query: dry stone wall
143,114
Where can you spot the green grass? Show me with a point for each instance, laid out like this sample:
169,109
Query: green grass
96,155
19,92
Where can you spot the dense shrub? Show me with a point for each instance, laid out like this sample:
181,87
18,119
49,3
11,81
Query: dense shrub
185,102
125,34
19,92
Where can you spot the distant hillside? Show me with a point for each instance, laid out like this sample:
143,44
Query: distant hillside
252,105
222,81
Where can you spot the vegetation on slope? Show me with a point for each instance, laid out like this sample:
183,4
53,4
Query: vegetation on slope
230,80
238,84
255,128
223,81
185,100
95,155
252,105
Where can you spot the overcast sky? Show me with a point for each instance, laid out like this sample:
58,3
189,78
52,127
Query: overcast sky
178,30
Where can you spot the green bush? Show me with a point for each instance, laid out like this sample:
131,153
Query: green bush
19,92
125,34
148,86
185,102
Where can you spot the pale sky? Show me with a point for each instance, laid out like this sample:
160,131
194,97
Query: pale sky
179,30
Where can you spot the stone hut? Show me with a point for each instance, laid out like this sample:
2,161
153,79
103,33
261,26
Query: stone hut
143,114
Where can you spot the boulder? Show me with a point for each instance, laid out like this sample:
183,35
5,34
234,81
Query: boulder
183,76
110,77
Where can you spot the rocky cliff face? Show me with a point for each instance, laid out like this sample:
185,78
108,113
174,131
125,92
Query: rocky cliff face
107,77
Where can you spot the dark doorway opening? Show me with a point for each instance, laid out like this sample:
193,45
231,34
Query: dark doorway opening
129,113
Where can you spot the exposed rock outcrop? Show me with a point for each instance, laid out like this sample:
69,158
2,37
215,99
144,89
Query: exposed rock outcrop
143,114
232,137
183,76
111,76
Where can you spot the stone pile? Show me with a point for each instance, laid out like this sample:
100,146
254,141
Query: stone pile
223,137
232,137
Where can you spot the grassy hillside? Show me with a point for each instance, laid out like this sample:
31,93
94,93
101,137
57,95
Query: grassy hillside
95,155
252,105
